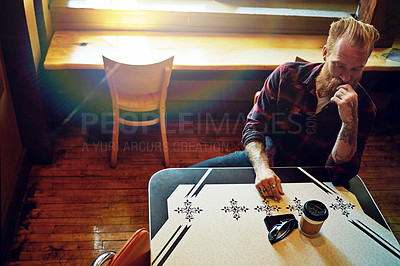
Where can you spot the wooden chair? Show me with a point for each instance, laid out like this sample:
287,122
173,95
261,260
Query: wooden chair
297,59
138,88
136,251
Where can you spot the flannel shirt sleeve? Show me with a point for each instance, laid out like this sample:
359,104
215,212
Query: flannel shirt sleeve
259,119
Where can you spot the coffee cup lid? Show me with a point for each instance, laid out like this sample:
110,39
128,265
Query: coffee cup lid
315,210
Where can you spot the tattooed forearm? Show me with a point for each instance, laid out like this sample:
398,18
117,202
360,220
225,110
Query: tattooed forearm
346,143
348,134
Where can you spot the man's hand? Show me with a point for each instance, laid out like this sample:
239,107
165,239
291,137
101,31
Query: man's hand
346,143
347,101
267,182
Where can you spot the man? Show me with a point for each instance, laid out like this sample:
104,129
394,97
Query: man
311,114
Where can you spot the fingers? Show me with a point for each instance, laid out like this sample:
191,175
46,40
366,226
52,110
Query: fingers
344,93
264,191
347,101
336,99
275,192
269,184
338,96
279,186
344,97
346,87
270,187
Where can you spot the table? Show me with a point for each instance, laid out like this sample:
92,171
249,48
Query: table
193,51
215,217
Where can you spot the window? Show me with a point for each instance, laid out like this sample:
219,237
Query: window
258,16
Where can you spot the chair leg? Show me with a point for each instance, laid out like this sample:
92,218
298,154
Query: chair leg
164,138
114,147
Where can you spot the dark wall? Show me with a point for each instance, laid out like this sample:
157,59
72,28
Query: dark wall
195,92
23,81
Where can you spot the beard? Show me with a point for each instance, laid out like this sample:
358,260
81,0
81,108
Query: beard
327,84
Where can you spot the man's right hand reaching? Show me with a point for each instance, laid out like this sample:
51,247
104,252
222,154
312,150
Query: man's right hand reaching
267,182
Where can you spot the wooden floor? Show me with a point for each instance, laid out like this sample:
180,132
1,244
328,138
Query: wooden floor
79,207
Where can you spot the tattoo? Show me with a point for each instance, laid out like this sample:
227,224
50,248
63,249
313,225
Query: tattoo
348,134
346,143
353,113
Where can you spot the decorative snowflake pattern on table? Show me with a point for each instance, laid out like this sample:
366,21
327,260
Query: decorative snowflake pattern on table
235,209
296,207
342,206
188,210
267,208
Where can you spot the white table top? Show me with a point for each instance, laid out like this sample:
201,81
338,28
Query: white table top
223,224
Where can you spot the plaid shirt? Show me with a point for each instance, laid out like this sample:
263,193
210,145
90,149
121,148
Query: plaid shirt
284,119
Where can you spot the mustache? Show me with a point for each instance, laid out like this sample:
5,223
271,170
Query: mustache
336,82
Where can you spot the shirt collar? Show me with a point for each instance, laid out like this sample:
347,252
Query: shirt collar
309,79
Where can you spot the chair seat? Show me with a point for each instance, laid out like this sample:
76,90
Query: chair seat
142,103
135,251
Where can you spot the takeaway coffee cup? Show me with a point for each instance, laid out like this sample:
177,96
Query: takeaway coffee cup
313,217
